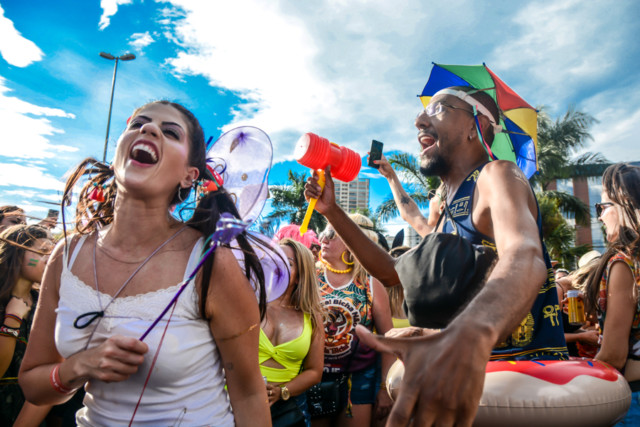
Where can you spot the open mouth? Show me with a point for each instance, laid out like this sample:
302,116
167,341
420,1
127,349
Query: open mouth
426,141
144,153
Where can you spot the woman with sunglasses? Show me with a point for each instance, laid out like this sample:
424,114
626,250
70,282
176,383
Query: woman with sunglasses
612,289
352,297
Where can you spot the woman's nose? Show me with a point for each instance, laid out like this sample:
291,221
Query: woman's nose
151,128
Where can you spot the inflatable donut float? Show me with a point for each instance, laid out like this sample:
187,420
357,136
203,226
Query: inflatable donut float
545,393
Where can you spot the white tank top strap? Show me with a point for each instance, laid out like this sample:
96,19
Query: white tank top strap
69,263
194,258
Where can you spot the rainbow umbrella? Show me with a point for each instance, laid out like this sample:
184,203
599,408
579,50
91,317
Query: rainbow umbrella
518,141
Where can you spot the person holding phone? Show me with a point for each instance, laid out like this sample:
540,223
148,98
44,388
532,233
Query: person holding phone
51,220
409,210
494,206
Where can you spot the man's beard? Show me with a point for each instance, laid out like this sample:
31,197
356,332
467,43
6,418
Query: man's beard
435,166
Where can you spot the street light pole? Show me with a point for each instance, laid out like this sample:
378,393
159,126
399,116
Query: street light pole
126,57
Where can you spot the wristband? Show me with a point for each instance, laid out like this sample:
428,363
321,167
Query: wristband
8,331
56,383
14,317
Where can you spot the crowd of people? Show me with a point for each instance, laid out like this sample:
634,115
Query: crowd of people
317,354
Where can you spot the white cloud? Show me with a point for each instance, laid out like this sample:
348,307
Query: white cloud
16,175
561,47
618,113
26,136
140,40
109,8
14,48
345,70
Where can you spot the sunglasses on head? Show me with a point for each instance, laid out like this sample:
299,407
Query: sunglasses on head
328,234
601,207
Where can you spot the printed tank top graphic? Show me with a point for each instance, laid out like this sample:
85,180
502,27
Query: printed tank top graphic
346,307
540,334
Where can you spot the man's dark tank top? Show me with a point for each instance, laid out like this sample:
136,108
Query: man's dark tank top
540,334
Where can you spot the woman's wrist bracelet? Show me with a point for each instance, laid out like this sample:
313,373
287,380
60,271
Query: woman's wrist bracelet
7,331
13,317
56,383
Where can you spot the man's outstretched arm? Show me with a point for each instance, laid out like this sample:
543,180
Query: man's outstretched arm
372,257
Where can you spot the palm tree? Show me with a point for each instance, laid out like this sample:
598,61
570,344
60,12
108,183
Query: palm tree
289,204
558,143
417,185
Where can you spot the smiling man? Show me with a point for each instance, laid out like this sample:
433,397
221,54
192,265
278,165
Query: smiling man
515,315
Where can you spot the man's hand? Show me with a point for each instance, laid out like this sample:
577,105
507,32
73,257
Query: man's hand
326,198
385,168
445,375
410,331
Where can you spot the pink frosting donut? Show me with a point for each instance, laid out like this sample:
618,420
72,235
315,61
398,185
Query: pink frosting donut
545,393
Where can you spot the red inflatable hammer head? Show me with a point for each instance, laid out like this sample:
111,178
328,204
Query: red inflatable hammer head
316,152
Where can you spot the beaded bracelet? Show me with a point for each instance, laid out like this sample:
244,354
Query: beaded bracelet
56,383
9,332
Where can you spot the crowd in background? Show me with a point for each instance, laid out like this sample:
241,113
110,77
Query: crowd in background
312,367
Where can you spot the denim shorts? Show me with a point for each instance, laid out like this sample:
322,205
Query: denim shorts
365,385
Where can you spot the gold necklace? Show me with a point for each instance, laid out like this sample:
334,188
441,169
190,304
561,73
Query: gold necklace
335,270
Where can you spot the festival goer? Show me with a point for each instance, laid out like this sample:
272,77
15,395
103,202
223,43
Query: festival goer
351,297
106,286
292,338
24,251
409,210
515,315
612,288
11,215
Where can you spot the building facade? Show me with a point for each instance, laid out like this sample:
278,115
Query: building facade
352,195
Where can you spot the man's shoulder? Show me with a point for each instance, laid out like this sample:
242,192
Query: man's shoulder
501,174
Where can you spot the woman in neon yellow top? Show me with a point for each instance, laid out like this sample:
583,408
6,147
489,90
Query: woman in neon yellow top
291,352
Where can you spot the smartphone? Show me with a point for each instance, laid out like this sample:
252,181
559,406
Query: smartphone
53,214
375,153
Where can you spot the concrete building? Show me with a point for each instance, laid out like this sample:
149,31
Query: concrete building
352,195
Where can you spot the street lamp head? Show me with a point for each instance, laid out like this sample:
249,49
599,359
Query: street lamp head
127,57
107,56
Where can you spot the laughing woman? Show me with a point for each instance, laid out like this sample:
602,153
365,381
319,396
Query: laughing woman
612,288
109,283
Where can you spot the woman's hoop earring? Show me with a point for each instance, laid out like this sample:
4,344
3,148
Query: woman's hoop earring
180,194
345,261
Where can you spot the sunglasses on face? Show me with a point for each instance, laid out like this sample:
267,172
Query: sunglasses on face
601,207
328,234
438,107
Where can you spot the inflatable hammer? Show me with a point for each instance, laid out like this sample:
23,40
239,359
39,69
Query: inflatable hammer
317,153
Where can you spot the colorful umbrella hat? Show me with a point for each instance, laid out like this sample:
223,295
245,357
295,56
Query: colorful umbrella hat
518,140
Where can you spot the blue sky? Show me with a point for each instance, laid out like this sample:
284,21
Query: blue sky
347,70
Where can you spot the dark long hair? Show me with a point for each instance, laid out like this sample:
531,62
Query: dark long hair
14,242
91,214
621,182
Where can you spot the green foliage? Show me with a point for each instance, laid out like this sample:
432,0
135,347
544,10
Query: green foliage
416,185
289,204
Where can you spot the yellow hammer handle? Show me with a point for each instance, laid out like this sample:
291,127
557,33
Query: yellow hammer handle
312,205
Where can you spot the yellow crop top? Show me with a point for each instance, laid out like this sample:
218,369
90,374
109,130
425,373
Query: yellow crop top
289,354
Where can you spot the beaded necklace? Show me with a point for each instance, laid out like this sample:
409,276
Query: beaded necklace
335,270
